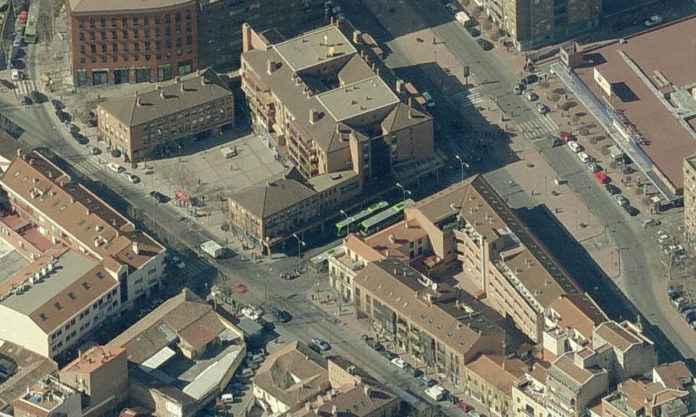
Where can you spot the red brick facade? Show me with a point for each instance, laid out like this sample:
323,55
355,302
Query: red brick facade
134,46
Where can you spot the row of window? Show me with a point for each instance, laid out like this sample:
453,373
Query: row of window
125,34
92,21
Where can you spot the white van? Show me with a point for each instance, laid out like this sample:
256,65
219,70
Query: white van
574,146
116,167
436,392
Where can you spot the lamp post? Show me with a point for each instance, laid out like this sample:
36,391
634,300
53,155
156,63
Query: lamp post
462,164
300,243
343,212
403,190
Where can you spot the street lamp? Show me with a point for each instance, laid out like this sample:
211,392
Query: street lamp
300,243
462,164
343,212
404,191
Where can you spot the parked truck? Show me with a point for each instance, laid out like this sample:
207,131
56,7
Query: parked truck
213,249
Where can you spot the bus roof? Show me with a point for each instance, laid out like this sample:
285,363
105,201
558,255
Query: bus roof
362,214
386,214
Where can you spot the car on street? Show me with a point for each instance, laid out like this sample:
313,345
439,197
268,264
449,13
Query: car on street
63,116
689,314
280,315
593,167
79,138
399,363
632,211
134,179
620,200
389,355
484,44
116,167
94,150
612,189
474,32
38,97
532,96
673,293
426,381
161,198
653,20
685,306
252,312
322,344
584,157
57,104
26,101
575,147
678,302
373,343
542,108
16,75
73,128
565,136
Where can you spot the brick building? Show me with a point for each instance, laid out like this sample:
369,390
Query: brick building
143,124
114,42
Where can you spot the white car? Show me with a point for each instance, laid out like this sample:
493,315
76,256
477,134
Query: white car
323,345
399,363
542,108
584,157
575,147
653,20
531,96
252,312
116,167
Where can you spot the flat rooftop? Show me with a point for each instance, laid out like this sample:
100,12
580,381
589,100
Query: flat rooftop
312,48
358,98
646,64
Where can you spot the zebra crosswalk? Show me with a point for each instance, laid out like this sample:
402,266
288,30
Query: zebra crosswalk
87,165
24,88
470,98
537,128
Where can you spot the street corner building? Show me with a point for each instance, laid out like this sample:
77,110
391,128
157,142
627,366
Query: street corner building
325,99
143,125
85,262
121,41
181,356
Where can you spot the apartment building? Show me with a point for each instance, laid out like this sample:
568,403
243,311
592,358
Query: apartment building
114,42
439,326
535,23
490,380
220,24
86,261
689,169
632,353
573,381
569,324
529,393
100,374
639,398
297,382
325,103
143,125
48,398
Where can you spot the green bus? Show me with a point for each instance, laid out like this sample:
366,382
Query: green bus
344,226
386,218
30,29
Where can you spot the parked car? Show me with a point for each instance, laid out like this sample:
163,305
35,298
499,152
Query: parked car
94,150
593,167
474,32
612,189
584,157
531,96
323,345
134,179
426,381
621,200
116,167
566,136
374,344
673,293
575,147
543,108
517,89
161,198
689,314
686,306
653,20
57,104
486,45
79,138
280,315
399,363
389,355
63,116
678,302
38,97
252,312
26,101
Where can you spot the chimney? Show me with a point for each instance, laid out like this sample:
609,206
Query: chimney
399,86
136,248
313,116
356,37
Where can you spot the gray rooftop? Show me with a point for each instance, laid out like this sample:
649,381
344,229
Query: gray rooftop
312,48
273,197
72,267
358,98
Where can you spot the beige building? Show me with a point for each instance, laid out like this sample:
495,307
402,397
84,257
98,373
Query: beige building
633,354
690,198
490,380
184,335
48,398
143,125
636,398
101,375
295,381
569,324
439,326
535,23
343,122
677,376
529,394
573,381
87,261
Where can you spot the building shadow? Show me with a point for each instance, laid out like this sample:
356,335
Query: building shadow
590,276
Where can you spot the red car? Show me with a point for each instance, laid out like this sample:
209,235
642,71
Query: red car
601,177
566,136
464,406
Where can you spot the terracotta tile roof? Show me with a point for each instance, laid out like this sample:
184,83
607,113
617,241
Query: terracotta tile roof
581,376
498,371
360,248
396,285
638,394
93,359
675,375
265,200
617,335
578,311
99,228
394,240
